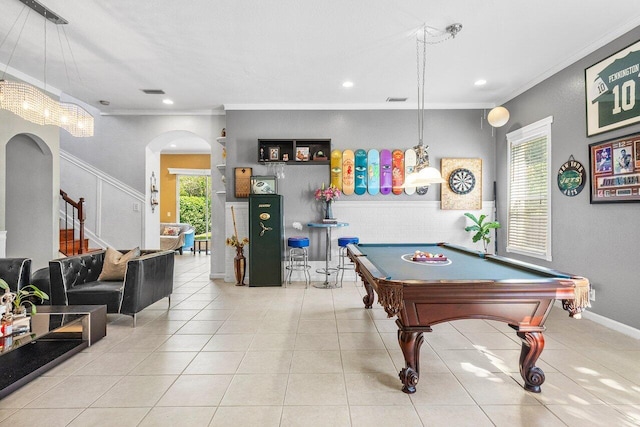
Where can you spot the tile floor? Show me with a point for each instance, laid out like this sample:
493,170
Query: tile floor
239,356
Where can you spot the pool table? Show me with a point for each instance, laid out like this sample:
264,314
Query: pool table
467,285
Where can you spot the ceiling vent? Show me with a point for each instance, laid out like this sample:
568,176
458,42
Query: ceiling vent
390,99
153,91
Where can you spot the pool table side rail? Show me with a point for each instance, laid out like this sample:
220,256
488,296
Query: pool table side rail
573,291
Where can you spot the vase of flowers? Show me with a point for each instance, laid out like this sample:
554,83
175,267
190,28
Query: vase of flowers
239,261
327,196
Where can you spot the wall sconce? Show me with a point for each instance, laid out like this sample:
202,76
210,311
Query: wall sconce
498,116
154,192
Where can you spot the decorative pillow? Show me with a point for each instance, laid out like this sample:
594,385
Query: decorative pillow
115,264
171,231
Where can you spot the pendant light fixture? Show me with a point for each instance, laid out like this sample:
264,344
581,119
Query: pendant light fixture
424,174
32,104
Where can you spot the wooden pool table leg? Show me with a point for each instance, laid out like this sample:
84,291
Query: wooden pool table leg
532,346
410,341
369,297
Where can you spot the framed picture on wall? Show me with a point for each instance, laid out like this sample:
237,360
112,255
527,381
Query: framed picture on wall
615,170
612,88
274,153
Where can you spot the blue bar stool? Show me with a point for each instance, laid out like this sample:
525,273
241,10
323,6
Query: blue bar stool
342,265
298,258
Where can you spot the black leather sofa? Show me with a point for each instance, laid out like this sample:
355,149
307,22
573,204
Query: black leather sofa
16,272
148,279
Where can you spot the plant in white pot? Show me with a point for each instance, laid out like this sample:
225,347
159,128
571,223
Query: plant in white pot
482,229
23,298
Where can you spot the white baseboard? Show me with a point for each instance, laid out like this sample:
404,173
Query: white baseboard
612,324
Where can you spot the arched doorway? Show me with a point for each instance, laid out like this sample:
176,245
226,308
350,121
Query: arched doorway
173,141
28,189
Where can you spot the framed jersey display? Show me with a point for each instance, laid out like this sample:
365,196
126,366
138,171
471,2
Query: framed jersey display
462,188
612,88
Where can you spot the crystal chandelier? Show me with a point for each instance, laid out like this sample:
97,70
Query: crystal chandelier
34,105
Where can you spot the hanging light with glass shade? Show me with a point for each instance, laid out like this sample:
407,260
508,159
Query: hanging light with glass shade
424,174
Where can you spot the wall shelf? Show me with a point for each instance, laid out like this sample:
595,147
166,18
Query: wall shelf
222,140
294,151
221,167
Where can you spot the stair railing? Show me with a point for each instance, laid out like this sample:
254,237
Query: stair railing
77,214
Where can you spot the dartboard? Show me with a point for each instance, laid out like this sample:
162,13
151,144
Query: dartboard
462,181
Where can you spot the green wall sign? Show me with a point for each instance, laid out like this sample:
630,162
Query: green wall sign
571,177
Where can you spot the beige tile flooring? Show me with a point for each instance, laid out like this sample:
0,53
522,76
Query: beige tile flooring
239,356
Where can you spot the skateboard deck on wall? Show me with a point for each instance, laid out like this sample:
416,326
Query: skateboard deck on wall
348,172
336,169
361,172
410,160
385,172
397,171
373,180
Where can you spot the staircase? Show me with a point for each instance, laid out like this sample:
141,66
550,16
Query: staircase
73,215
69,245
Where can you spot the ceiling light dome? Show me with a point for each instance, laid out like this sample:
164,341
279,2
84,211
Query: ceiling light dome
498,116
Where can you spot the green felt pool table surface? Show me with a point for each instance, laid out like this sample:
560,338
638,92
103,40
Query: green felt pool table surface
393,262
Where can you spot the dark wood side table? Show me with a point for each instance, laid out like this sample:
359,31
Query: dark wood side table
198,244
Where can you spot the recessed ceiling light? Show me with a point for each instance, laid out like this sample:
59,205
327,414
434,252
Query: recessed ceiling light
480,82
347,84
167,101
172,145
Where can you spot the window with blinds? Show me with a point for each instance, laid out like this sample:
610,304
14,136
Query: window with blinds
529,190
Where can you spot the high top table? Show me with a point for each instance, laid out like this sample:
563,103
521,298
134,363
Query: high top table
326,270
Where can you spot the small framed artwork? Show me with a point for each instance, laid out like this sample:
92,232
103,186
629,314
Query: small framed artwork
615,170
243,182
274,153
302,154
612,88
264,184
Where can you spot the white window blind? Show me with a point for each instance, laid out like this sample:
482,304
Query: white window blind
529,204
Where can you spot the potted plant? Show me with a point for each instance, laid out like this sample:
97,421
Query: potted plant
482,229
327,196
23,298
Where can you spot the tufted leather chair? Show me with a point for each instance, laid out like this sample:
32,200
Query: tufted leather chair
16,272
148,279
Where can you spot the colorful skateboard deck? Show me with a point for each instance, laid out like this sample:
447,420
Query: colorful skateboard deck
410,160
361,172
336,169
348,172
385,172
373,181
422,190
397,171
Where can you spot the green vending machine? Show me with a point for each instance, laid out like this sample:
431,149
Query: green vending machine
266,240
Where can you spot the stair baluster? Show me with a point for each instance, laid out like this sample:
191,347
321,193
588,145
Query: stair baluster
79,215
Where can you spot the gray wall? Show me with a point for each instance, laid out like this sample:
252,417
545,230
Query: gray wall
449,133
28,195
601,241
118,147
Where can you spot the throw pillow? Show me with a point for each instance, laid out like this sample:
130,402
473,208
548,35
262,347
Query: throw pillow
171,231
114,266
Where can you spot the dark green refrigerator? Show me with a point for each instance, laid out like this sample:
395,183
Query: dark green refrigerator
266,240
